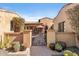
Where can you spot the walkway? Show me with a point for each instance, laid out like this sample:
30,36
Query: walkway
43,51
40,51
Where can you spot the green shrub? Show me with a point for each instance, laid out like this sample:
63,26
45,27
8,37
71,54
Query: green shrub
22,48
16,46
58,47
69,53
74,54
63,44
0,44
6,42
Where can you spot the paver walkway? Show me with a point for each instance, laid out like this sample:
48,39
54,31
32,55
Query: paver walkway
43,51
40,51
38,40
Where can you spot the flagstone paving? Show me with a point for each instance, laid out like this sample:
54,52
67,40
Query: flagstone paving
43,51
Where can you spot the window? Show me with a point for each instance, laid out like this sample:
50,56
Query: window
27,27
61,27
11,28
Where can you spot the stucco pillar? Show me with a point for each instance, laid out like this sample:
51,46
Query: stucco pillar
27,36
50,37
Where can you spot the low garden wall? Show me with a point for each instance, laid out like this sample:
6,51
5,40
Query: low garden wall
15,36
23,37
67,37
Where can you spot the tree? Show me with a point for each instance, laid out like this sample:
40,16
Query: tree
73,16
18,24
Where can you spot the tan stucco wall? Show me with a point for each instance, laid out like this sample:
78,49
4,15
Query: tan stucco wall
50,37
62,16
27,37
47,21
24,37
67,37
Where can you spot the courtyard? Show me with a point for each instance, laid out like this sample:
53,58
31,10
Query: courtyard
58,36
43,51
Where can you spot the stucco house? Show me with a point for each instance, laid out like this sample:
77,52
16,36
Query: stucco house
61,21
47,22
8,26
5,21
63,30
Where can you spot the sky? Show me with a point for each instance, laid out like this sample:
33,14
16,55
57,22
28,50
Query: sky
33,11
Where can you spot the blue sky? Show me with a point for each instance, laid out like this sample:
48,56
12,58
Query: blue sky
34,11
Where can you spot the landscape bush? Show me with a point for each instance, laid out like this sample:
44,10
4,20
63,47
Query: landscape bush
58,47
6,42
69,53
63,44
73,49
16,46
22,48
0,45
